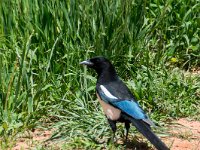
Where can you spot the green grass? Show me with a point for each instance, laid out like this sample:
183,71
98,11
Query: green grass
151,43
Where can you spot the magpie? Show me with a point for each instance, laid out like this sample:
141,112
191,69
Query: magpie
118,103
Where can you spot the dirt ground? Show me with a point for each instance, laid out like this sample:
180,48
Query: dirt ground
182,134
185,135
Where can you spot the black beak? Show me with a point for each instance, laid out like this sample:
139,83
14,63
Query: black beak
87,63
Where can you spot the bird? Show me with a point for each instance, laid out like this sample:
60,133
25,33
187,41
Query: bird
118,103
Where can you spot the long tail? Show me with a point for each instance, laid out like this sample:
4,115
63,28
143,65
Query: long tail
145,129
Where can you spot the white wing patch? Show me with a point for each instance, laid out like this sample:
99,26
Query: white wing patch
107,93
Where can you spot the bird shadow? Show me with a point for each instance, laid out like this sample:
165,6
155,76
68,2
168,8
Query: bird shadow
137,145
134,145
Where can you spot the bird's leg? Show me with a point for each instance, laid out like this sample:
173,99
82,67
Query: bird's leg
127,126
113,127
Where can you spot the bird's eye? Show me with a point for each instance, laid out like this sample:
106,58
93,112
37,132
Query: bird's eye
97,60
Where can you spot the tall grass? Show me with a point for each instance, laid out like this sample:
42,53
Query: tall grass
42,43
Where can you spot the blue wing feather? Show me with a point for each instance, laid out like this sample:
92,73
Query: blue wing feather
132,108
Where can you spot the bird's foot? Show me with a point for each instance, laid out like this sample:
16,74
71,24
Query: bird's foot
126,141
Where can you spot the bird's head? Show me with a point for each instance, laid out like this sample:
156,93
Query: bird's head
99,64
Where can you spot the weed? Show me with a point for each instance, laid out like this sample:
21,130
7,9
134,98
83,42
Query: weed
42,43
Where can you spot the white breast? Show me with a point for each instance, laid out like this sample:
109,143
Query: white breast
111,112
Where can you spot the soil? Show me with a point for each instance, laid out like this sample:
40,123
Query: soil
31,139
185,135
182,134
